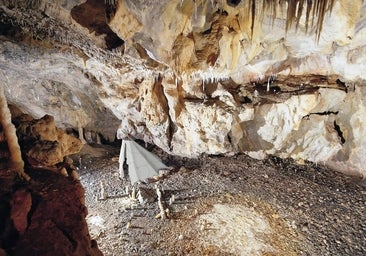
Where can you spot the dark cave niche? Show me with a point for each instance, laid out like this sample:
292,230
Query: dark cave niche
6,29
11,31
93,14
233,3
339,132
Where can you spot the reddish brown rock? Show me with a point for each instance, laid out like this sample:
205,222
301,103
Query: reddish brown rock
43,217
20,204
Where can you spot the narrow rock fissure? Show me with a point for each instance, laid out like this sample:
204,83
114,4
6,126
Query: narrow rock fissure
325,113
339,131
8,234
342,84
35,202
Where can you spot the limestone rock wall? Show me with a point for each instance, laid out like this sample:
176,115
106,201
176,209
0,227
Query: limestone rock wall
46,81
216,57
306,124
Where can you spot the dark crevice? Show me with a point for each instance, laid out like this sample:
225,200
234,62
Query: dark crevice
222,12
339,131
6,29
342,84
325,113
233,3
11,30
35,202
93,15
229,138
207,32
246,100
8,234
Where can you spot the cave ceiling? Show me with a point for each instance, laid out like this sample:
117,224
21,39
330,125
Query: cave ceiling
261,77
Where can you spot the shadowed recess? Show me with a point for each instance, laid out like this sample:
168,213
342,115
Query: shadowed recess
92,14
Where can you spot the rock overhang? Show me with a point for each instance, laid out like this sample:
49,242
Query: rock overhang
211,77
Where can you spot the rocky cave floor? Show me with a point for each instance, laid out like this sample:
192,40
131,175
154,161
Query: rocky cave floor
224,205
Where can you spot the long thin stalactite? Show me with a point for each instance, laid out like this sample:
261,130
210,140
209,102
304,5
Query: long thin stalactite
16,161
315,11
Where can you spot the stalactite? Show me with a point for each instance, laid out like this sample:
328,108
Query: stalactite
253,16
195,9
17,163
81,134
111,2
315,10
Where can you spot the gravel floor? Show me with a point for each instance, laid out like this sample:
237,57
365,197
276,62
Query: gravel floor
225,206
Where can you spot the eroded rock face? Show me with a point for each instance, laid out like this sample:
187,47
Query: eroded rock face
42,142
313,122
43,217
198,77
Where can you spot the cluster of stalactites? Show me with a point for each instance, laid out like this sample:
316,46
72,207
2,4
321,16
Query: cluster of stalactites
111,2
295,9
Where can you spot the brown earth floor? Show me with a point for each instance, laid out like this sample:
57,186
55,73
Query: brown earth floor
225,206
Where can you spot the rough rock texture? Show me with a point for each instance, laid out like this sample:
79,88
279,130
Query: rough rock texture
46,215
42,142
194,77
43,217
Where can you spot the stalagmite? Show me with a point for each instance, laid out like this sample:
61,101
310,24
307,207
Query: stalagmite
17,163
81,134
99,141
103,194
162,213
